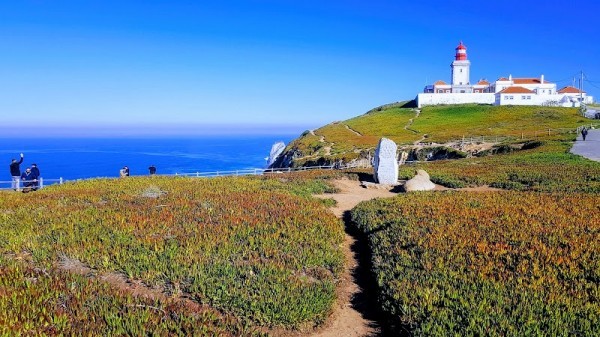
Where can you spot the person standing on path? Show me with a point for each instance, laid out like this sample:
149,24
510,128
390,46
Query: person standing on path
584,133
152,170
15,172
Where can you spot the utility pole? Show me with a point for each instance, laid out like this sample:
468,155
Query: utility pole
581,88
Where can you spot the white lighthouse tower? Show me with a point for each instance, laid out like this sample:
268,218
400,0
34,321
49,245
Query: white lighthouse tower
460,71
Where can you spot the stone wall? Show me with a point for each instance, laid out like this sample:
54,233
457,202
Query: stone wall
454,98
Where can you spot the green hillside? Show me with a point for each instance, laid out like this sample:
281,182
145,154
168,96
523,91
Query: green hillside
355,137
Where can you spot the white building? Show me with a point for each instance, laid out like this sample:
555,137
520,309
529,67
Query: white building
504,91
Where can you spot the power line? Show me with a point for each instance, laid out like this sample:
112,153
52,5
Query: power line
588,80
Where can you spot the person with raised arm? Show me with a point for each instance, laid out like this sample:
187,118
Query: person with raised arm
15,172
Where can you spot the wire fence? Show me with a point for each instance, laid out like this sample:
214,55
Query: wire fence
27,185
20,185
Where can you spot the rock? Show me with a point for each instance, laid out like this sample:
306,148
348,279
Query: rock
385,164
370,185
420,182
153,192
276,150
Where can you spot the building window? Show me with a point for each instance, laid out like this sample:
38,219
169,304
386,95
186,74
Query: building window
447,90
440,91
528,97
461,70
462,91
510,97
505,97
523,97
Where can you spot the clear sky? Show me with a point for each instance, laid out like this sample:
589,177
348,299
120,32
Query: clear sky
261,64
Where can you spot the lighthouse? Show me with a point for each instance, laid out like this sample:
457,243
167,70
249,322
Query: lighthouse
460,70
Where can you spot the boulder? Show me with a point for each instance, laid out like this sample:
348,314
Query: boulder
419,182
385,163
276,150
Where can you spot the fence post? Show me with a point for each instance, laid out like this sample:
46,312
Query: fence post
41,182
60,181
548,131
521,135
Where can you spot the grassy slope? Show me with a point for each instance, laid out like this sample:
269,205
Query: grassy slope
445,123
439,124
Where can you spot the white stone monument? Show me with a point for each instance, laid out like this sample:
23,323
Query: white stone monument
385,164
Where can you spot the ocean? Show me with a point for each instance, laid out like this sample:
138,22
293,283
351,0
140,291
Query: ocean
70,158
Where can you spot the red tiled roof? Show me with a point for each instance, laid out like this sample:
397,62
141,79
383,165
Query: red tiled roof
528,81
483,82
516,90
569,90
440,82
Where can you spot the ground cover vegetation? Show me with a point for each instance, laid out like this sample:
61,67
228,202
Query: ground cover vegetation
255,249
39,302
357,137
547,167
486,264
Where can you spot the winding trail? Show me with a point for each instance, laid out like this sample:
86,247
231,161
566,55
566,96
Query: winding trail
410,121
354,311
353,131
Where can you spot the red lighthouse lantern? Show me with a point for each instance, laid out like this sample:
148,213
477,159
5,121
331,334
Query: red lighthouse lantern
461,52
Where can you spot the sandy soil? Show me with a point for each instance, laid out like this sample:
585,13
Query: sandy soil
348,318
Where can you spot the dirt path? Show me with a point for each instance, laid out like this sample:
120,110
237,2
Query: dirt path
410,121
353,131
351,314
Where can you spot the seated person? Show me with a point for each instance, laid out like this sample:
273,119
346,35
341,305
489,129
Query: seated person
29,180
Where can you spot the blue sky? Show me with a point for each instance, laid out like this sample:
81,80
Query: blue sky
264,64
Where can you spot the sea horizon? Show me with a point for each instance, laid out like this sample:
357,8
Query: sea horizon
72,158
